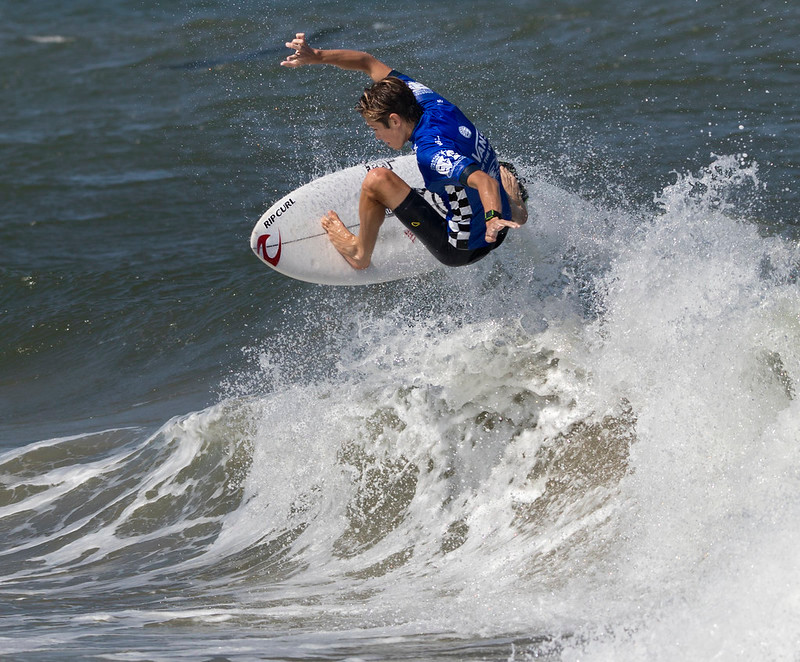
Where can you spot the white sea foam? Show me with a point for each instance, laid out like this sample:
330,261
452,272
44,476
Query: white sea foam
50,39
599,448
695,336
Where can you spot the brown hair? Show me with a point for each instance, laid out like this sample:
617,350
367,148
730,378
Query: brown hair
387,96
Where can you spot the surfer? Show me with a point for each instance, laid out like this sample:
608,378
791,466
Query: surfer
469,201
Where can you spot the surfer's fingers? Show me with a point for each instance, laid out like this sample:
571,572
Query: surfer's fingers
499,223
298,42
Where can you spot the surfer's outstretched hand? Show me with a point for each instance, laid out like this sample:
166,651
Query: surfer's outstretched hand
303,53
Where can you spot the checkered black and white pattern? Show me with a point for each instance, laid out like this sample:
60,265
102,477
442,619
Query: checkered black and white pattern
433,200
459,223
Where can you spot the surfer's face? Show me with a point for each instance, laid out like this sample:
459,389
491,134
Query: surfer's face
394,135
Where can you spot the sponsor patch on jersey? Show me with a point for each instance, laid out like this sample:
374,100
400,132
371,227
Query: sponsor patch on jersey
444,161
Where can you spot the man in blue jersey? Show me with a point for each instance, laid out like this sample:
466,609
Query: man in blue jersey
469,200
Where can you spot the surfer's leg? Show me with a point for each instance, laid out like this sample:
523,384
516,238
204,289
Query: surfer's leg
517,195
382,189
430,227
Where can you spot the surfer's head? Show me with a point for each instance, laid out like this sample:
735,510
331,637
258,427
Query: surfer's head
387,97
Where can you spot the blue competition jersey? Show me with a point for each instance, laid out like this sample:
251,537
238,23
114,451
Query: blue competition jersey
448,149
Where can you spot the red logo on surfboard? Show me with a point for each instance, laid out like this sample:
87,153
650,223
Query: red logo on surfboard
262,246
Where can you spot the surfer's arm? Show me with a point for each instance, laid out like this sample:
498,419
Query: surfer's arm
344,59
489,192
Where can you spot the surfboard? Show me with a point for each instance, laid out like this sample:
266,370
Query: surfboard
289,238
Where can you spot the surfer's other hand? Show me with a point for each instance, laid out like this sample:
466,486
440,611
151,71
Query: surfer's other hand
303,53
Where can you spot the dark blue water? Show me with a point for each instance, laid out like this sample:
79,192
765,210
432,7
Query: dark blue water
587,454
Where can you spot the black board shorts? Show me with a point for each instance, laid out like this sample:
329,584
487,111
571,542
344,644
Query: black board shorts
430,227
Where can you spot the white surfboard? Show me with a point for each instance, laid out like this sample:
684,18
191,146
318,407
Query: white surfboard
289,237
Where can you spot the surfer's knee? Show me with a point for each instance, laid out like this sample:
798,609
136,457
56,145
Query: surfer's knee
384,186
377,180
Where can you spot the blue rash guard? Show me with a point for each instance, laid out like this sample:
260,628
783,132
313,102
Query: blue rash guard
449,149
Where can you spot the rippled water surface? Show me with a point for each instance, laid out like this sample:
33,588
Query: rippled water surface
583,447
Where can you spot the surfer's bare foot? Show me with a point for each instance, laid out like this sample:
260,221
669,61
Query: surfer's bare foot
519,212
342,239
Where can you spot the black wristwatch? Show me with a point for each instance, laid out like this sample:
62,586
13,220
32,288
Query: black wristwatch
492,213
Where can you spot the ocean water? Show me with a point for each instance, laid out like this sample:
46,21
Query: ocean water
585,447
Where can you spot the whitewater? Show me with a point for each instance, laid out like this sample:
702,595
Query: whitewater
594,457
